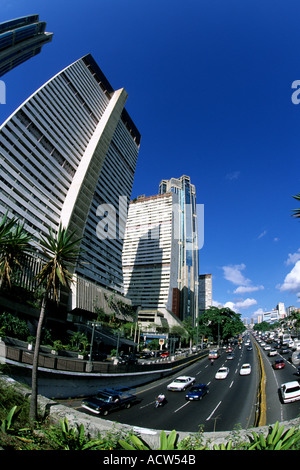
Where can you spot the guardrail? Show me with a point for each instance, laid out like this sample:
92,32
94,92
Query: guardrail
51,362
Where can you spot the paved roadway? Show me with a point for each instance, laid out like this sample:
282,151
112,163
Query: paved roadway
276,410
230,404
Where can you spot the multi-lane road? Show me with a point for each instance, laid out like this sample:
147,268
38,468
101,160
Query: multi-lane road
231,402
276,410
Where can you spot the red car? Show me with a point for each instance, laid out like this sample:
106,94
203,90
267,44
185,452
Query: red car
279,364
165,354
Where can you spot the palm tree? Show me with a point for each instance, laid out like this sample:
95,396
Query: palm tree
61,252
296,211
14,242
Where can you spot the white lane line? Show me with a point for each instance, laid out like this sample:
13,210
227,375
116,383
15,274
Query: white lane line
182,406
231,384
214,410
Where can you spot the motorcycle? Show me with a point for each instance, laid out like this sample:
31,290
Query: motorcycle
160,402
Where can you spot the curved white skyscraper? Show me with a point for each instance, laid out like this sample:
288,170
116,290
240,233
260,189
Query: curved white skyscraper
68,155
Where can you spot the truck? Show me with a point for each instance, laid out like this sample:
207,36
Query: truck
109,399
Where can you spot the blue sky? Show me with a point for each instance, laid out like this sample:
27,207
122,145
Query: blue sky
210,87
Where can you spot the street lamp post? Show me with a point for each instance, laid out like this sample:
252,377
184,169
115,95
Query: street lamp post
94,325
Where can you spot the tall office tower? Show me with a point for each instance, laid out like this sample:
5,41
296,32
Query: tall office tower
21,39
160,253
68,155
205,292
150,254
188,266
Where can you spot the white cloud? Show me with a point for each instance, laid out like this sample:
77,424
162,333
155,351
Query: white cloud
262,234
233,274
236,306
244,289
292,280
233,176
293,257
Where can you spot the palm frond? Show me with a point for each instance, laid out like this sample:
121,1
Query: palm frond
61,252
296,211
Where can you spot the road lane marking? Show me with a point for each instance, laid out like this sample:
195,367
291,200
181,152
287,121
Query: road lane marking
207,419
182,406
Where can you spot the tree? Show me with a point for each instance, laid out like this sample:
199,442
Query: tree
14,243
61,253
296,211
221,323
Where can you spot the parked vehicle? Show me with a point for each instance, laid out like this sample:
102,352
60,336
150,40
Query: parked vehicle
127,359
197,392
181,383
108,400
290,391
99,356
165,354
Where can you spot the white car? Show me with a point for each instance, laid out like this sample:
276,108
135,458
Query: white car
181,383
272,352
290,391
245,369
267,347
222,373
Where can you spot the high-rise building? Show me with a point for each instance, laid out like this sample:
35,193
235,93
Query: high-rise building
68,155
187,227
160,256
21,39
205,292
150,254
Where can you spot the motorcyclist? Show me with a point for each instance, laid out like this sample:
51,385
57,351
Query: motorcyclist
160,400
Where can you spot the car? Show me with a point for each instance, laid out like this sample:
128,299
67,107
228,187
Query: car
99,356
285,351
108,400
245,369
197,392
272,352
230,356
222,373
278,364
249,348
290,391
165,354
181,383
127,359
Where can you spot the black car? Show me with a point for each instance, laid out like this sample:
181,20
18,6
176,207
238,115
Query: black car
128,359
99,356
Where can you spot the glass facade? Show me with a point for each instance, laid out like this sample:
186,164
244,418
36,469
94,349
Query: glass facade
21,39
188,269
